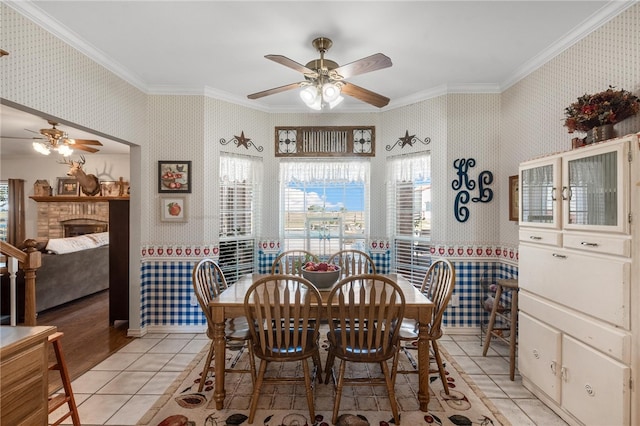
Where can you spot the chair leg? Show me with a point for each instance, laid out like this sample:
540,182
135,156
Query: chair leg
309,386
256,390
318,364
252,364
327,371
206,368
389,380
336,404
443,376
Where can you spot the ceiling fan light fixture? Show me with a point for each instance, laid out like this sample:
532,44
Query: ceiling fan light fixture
309,95
64,150
330,92
41,148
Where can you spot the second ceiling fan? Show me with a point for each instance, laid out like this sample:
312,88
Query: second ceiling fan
325,79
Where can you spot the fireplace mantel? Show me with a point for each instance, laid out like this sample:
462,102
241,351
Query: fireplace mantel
65,199
54,211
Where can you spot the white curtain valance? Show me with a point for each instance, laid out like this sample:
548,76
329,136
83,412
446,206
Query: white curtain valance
409,168
322,171
239,168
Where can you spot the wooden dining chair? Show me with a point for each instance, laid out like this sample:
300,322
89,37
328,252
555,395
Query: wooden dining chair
365,312
437,285
353,262
282,311
290,262
208,282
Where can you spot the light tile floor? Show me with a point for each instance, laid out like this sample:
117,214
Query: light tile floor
121,389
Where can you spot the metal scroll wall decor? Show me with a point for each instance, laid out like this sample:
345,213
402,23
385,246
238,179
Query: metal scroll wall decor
242,141
408,140
464,184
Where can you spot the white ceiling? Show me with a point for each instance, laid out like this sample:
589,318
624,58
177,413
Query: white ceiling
217,48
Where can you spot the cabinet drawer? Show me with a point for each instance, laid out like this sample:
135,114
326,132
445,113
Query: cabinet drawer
613,341
541,236
595,388
579,281
539,355
597,243
23,385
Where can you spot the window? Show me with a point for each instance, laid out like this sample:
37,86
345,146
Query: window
239,213
324,205
409,198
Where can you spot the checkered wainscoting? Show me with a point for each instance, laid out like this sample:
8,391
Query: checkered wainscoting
265,260
469,275
168,299
167,294
382,260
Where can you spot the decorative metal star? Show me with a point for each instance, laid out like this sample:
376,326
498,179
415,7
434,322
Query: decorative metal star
241,140
407,140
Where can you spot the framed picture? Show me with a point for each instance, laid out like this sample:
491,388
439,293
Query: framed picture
513,198
173,209
174,176
109,188
67,187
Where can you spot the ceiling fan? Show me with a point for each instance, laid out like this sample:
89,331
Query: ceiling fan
58,140
325,79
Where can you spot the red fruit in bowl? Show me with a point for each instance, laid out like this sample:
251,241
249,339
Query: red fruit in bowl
323,266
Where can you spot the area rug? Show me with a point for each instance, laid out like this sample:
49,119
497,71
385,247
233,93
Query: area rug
183,405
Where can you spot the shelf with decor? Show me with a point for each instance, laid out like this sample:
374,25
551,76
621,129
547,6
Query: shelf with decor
68,199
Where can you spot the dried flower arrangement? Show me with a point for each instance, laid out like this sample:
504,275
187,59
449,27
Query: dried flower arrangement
608,107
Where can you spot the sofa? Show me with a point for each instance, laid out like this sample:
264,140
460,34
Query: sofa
72,268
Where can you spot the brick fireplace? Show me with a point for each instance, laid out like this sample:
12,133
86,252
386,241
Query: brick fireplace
78,216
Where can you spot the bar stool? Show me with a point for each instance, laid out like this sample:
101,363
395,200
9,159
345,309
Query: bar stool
510,318
58,401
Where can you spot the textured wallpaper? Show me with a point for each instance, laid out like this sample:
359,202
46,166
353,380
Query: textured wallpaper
497,130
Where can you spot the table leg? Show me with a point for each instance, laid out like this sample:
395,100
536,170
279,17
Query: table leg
218,364
423,366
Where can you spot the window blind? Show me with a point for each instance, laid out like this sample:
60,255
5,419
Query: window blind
239,209
409,214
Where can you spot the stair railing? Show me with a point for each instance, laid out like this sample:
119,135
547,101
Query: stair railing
29,261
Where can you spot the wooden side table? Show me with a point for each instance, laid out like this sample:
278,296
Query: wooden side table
509,316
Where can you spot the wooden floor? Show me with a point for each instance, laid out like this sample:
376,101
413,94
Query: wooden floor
88,338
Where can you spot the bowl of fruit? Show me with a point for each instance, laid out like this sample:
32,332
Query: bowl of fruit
172,180
323,275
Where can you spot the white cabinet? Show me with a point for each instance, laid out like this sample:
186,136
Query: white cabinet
585,189
579,275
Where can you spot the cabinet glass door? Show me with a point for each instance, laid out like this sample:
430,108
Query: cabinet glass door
538,194
593,189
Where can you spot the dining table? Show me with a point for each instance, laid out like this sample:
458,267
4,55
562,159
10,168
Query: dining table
230,304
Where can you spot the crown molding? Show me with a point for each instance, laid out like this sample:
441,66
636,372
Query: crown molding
586,27
59,30
599,18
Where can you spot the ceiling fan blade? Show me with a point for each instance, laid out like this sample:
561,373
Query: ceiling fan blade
72,141
19,137
283,60
85,148
273,91
374,62
364,95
